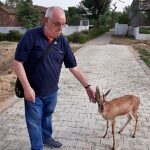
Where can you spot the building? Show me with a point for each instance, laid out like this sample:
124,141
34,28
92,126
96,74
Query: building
8,16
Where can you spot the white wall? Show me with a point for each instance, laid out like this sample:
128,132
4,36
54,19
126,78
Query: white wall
140,36
66,31
71,29
121,29
7,29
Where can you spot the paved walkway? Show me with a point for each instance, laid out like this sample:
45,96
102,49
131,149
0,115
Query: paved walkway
101,40
77,123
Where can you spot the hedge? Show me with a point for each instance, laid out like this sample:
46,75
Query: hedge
84,36
13,35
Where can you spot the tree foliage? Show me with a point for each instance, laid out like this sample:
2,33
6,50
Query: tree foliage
73,17
148,17
123,18
106,19
12,3
1,3
94,7
27,14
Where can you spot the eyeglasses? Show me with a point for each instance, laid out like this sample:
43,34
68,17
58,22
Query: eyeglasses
57,24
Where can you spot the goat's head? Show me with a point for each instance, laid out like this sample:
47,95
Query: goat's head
100,99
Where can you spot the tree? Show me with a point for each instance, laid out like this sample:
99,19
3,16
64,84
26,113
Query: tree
12,3
73,17
106,19
94,8
1,3
148,18
113,12
144,18
27,14
123,18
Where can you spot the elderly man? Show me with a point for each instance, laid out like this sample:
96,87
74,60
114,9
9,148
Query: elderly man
41,87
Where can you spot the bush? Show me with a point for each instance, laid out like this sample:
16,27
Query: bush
77,38
3,36
84,36
13,35
85,31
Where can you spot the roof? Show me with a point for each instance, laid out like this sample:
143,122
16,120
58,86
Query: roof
12,11
9,10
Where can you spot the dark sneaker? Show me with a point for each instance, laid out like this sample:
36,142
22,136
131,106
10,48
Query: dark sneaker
52,143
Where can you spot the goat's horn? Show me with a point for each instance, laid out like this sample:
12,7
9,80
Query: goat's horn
107,93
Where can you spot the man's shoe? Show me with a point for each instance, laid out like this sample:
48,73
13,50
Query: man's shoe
52,143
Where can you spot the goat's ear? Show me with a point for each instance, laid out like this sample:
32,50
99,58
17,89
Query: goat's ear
107,93
97,93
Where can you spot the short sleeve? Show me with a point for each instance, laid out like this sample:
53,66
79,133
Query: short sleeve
24,47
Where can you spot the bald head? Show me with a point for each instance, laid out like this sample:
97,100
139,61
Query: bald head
54,20
54,10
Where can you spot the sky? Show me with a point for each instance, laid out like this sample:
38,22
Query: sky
68,3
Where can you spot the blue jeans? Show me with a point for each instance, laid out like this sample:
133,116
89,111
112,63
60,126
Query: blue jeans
39,119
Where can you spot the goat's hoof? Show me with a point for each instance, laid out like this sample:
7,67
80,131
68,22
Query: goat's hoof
133,136
119,132
113,148
104,136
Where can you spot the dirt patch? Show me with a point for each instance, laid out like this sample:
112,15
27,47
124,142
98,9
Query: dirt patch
7,76
136,44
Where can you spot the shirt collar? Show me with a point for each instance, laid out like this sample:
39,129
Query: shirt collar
47,38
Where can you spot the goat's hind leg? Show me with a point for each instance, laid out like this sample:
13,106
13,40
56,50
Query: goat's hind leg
129,119
136,120
106,129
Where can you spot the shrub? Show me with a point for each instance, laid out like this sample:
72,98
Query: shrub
85,31
14,35
84,36
3,36
77,38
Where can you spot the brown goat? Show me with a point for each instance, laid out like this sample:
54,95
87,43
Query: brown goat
125,105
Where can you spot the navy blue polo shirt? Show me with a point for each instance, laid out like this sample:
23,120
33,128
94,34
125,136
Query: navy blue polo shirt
44,80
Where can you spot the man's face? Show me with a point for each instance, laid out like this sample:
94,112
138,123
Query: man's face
54,25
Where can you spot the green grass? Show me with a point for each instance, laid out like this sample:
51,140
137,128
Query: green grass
144,30
145,56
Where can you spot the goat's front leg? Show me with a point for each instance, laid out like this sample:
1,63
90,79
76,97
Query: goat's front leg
106,129
113,132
